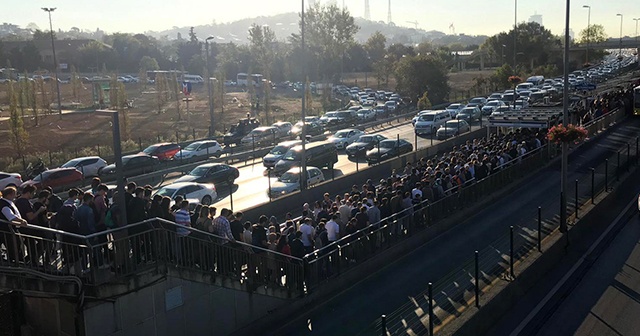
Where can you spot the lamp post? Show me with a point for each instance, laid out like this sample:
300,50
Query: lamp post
117,153
515,36
621,18
55,61
588,30
565,121
209,91
636,20
303,155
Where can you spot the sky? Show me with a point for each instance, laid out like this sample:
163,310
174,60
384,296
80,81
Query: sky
471,17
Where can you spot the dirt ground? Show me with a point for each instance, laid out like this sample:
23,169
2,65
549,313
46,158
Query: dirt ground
56,139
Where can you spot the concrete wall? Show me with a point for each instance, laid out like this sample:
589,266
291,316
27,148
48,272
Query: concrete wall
46,316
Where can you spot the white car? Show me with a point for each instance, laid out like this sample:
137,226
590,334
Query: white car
491,106
197,149
88,166
10,180
366,114
290,181
421,113
196,193
345,137
454,109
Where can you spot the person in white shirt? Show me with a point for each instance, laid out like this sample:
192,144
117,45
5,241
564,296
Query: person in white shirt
333,229
417,190
10,213
345,211
307,235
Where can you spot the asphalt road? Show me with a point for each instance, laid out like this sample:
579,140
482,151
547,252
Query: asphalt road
356,308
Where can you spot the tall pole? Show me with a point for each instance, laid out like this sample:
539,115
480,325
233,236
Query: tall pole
588,30
303,155
621,17
636,20
565,121
117,153
515,37
209,92
55,61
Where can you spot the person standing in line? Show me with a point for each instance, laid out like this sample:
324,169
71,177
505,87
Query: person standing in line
10,213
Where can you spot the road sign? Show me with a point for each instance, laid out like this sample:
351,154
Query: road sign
585,87
186,88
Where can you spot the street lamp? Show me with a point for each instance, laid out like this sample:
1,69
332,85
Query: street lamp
565,120
515,36
636,20
588,30
55,61
211,124
621,17
303,155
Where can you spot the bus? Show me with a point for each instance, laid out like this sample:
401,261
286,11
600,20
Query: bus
636,100
242,79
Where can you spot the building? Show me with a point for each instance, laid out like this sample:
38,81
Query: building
537,18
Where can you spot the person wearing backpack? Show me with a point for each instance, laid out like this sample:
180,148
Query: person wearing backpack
66,221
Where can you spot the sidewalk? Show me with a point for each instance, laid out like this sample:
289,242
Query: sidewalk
607,300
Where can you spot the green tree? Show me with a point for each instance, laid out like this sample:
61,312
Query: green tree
500,78
39,35
122,107
262,40
19,136
148,63
376,46
161,91
593,34
424,102
423,73
33,101
76,85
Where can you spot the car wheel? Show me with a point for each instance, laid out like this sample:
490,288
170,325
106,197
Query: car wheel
206,200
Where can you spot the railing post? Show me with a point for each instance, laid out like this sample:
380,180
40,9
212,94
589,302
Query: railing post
628,157
593,185
577,202
606,175
477,282
511,252
637,145
431,317
539,229
383,324
618,168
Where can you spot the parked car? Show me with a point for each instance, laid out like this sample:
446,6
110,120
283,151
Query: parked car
88,166
343,138
290,181
452,128
163,151
56,178
10,180
388,149
278,151
216,173
469,114
132,165
193,192
363,144
199,149
454,109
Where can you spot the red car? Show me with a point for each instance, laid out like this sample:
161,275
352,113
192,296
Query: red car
163,151
56,178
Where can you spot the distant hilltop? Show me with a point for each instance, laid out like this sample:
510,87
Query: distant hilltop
285,24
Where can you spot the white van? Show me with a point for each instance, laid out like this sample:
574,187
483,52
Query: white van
196,79
429,122
524,87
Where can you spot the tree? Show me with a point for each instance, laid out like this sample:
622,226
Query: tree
39,35
33,101
593,34
262,40
19,136
122,107
423,73
148,63
376,46
424,102
500,78
76,85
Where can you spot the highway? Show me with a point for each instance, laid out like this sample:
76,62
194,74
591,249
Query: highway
357,308
251,187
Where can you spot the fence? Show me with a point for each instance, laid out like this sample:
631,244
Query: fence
464,287
154,244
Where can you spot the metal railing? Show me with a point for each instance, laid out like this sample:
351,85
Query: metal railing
109,256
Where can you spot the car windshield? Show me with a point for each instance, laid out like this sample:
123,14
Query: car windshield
476,100
329,115
341,134
366,139
166,192
388,144
427,117
493,103
192,146
343,114
149,150
289,177
199,171
467,111
452,124
453,107
71,163
291,155
279,150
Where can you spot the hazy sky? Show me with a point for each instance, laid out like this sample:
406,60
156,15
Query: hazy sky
471,17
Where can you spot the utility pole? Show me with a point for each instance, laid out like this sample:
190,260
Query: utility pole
209,91
565,121
303,155
588,30
55,61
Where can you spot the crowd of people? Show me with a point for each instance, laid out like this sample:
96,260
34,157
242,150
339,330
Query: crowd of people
601,104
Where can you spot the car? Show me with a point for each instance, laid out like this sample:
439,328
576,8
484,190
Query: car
289,181
469,114
132,165
380,111
317,154
197,193
420,114
88,166
199,149
56,178
452,128
500,111
454,109
163,151
347,118
521,104
283,127
430,121
478,101
391,105
363,144
216,173
343,138
491,106
260,136
388,149
276,153
366,115
312,128
495,96
10,180
329,119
